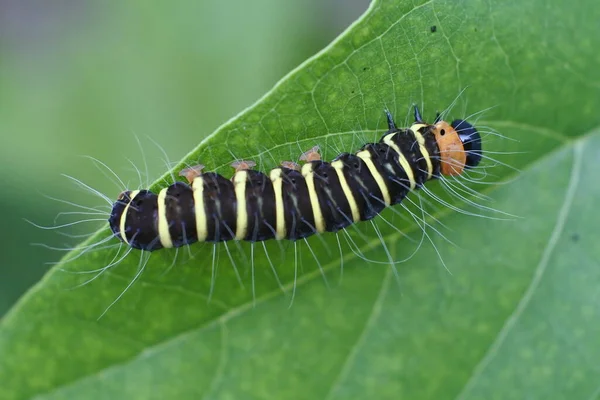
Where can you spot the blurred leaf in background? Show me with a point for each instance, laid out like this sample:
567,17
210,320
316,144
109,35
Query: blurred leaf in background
84,78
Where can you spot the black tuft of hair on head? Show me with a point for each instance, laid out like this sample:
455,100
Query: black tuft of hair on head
471,141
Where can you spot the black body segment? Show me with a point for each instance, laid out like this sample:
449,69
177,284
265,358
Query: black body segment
260,201
220,207
366,192
180,212
299,218
433,150
334,204
395,177
409,147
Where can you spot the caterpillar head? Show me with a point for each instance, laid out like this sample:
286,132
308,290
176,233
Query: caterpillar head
459,144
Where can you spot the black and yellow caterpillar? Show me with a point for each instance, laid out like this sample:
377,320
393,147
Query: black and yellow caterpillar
293,202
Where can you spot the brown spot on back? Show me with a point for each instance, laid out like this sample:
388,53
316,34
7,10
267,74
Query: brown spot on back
290,165
311,155
243,165
190,173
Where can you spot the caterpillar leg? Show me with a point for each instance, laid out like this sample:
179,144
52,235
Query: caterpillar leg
192,172
311,155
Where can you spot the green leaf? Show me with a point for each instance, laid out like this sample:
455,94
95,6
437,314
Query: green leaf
517,316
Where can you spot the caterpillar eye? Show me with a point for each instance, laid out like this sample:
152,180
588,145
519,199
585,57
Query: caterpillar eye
471,141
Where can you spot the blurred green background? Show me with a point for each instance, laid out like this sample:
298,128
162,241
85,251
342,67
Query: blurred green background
84,78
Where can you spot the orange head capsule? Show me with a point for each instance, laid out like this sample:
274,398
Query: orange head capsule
459,144
452,152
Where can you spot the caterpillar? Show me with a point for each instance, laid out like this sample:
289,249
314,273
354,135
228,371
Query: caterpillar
296,201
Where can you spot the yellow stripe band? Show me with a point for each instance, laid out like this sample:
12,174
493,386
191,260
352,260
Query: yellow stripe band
163,223
366,157
339,169
307,172
198,193
415,128
403,161
124,216
239,184
277,181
